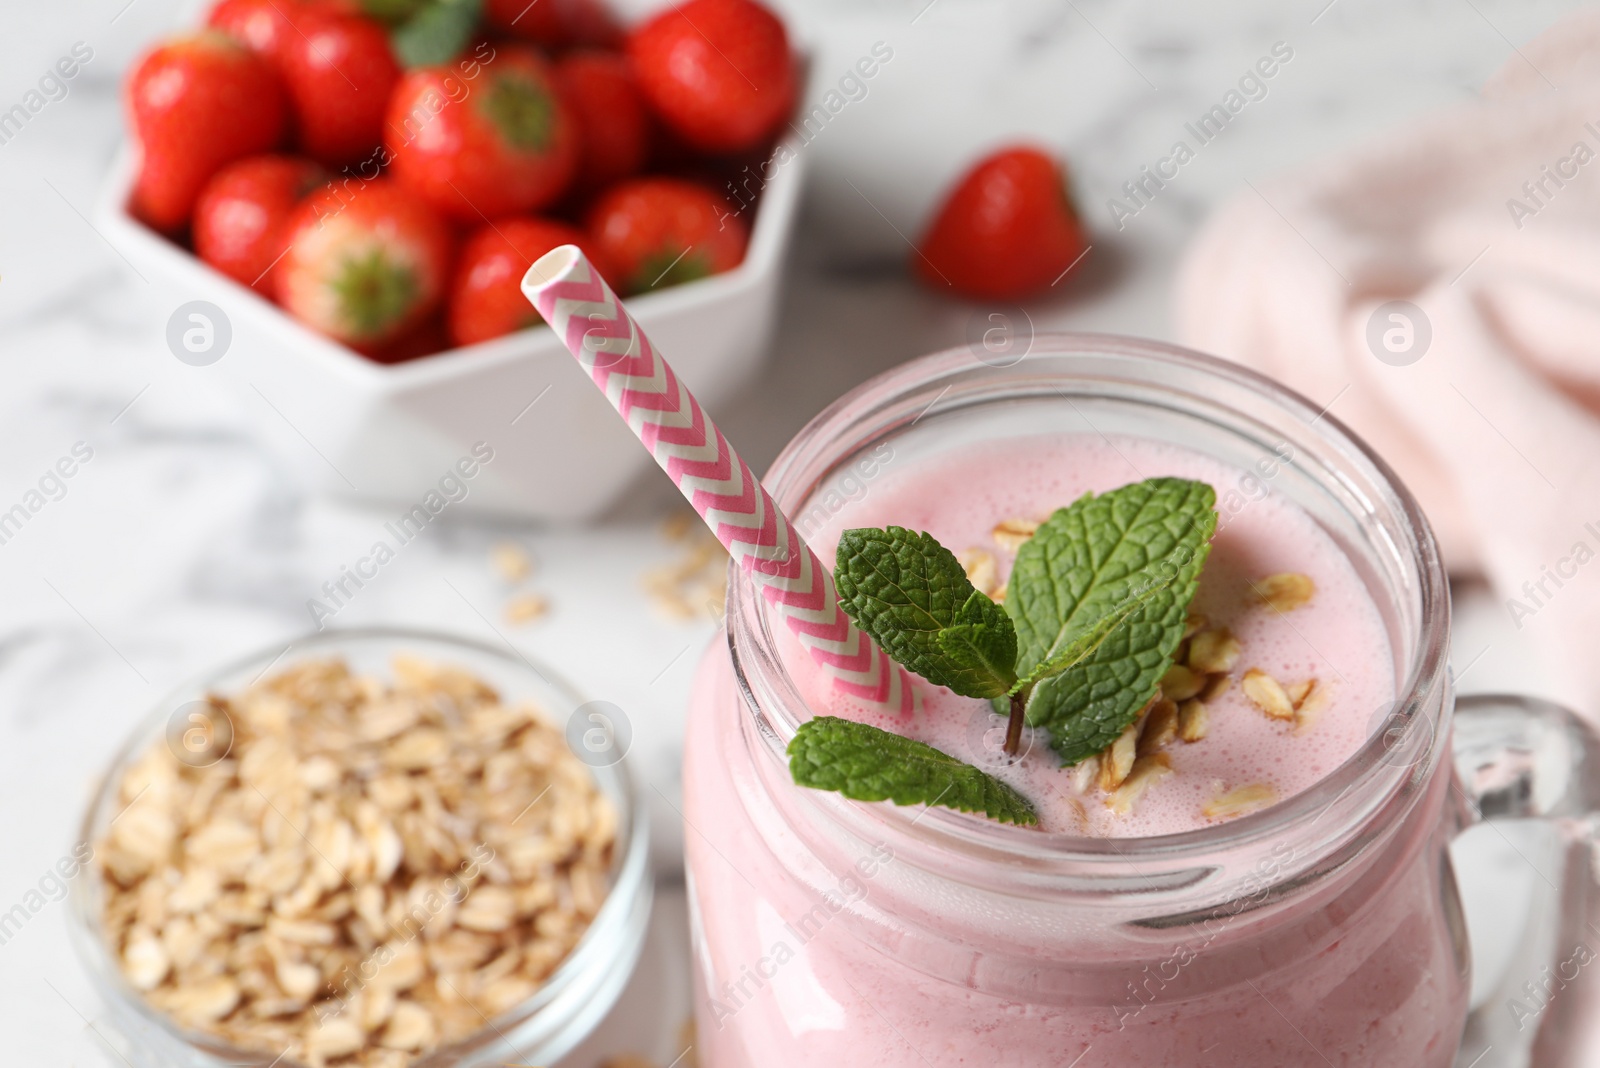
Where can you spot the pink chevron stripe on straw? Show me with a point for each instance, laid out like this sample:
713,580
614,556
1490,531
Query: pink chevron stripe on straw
641,386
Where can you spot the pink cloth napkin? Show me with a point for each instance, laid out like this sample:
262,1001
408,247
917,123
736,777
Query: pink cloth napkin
1486,217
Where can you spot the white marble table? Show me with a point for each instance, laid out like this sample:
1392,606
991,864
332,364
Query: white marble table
184,543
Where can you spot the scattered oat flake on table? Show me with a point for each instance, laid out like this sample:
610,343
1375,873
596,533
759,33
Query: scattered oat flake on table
696,585
525,608
510,561
680,524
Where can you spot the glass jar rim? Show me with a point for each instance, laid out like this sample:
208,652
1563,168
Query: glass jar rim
1370,775
628,889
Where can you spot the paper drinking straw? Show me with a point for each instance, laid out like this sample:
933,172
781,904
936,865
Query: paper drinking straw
586,314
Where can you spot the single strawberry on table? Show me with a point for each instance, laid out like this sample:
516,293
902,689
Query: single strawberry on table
508,146
657,232
1008,230
263,26
340,72
719,72
196,103
240,218
486,299
602,94
554,23
364,266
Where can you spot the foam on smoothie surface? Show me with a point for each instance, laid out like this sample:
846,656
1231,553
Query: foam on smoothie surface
1337,638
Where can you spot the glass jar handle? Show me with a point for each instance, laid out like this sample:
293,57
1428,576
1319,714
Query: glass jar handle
1522,758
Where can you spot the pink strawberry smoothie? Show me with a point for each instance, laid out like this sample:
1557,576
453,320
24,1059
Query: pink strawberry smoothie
825,938
1337,638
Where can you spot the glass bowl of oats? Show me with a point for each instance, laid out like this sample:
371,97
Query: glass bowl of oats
373,849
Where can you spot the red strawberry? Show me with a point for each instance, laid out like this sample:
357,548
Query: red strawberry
424,339
240,216
263,26
600,91
486,300
340,72
1007,231
507,146
196,103
365,264
718,71
554,23
662,231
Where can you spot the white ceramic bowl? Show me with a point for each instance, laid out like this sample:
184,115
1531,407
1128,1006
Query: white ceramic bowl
390,432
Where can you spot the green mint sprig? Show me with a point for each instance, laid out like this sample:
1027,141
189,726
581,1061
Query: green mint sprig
1094,613
913,597
869,764
1133,555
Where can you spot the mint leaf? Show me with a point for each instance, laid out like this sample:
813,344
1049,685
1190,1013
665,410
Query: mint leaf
1091,558
868,764
431,33
1088,641
912,597
1132,555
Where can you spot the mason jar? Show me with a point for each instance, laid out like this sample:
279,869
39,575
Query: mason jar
540,1030
1324,930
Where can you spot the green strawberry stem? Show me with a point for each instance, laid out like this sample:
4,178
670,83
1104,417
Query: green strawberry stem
522,112
375,290
666,268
